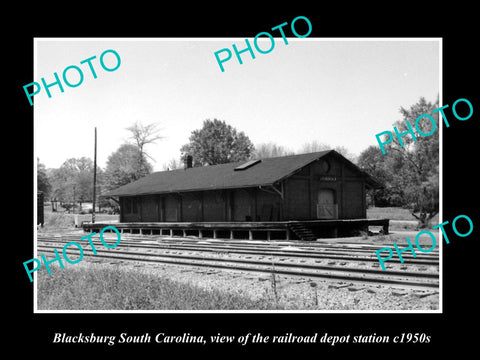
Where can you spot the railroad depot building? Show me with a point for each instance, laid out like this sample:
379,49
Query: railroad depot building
316,191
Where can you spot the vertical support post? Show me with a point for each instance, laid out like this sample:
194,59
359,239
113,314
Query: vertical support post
364,200
200,233
215,233
230,216
121,204
250,235
255,207
231,234
139,207
180,207
162,209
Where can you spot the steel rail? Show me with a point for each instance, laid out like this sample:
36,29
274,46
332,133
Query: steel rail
323,272
270,251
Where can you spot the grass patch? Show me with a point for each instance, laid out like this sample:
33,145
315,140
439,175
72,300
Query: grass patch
396,213
58,220
392,213
62,220
98,287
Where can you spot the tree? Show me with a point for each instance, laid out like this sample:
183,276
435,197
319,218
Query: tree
142,135
123,167
372,161
43,183
172,164
346,153
268,150
410,172
217,143
420,159
315,146
73,181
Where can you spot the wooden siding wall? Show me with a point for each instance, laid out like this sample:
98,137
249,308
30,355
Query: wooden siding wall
129,216
148,209
268,206
354,195
300,192
297,198
214,206
242,205
302,188
170,209
230,205
353,204
192,209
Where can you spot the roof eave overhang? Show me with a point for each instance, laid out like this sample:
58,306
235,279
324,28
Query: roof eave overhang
179,191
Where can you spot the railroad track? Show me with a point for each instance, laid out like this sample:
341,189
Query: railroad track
217,254
363,252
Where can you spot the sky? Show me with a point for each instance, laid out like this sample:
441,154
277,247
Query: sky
335,91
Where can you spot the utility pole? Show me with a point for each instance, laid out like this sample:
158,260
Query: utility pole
94,175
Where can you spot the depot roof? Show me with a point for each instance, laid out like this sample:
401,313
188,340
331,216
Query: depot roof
264,172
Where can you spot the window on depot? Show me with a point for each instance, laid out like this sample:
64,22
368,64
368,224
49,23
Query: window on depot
131,205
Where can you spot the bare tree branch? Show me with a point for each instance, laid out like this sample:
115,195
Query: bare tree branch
143,135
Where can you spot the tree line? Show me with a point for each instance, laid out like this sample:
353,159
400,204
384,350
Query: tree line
409,174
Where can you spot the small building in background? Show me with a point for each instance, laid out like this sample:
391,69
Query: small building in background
40,208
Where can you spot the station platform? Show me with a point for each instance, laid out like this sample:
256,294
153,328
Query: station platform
265,230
